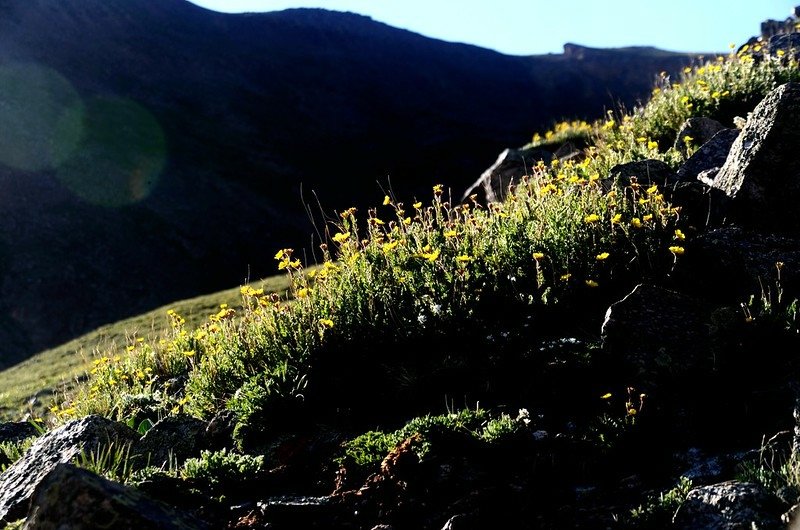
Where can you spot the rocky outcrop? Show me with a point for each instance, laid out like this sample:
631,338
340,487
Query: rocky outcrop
636,329
762,173
18,482
787,43
645,172
69,497
174,438
729,506
731,263
510,166
712,154
696,131
16,431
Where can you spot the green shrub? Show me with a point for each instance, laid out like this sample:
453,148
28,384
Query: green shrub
657,511
10,452
223,467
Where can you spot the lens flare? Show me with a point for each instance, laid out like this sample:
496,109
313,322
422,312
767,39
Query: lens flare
122,155
41,117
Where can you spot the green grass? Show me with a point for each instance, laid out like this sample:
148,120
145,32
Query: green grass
52,373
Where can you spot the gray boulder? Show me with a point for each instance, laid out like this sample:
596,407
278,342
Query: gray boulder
699,129
16,431
511,165
70,497
645,172
174,437
59,446
762,172
729,506
730,263
712,154
657,335
788,43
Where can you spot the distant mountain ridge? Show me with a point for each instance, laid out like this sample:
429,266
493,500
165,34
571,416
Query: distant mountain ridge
155,150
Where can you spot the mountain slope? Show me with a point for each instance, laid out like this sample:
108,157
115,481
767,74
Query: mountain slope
158,151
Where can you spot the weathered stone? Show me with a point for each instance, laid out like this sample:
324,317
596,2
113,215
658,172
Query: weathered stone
70,497
16,431
459,522
645,172
703,468
511,165
219,431
762,172
699,129
700,205
175,437
711,154
657,334
788,43
730,263
59,446
729,506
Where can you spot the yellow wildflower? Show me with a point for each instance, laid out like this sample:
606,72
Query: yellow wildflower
386,200
538,255
616,219
603,256
678,251
390,246
302,293
341,237
326,323
606,395
679,235
463,258
566,276
636,222
450,233
592,283
591,218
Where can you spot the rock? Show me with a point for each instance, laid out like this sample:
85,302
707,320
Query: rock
459,522
729,506
699,129
707,176
702,468
646,173
289,512
219,432
712,154
70,497
175,437
16,431
59,446
788,43
762,172
791,516
700,205
728,264
511,165
657,334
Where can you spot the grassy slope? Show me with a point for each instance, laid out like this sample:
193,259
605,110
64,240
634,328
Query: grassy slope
55,370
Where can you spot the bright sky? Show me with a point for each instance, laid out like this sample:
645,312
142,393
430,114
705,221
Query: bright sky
524,27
